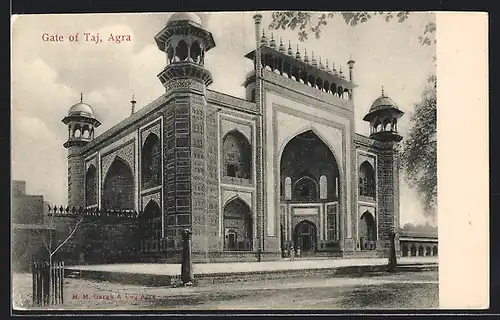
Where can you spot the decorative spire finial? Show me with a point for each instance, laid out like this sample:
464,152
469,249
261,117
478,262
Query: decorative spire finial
263,39
133,102
383,93
273,42
306,58
290,51
297,54
313,60
282,47
81,97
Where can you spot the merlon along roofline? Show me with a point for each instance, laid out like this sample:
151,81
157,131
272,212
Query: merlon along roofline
303,66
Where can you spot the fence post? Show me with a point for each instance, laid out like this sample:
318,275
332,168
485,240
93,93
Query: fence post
46,283
38,284
62,282
52,283
33,282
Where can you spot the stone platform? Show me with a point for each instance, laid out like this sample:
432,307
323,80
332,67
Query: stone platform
158,274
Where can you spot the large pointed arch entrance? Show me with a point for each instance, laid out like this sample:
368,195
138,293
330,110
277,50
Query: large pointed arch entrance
309,195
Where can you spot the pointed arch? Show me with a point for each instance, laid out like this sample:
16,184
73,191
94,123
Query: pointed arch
181,50
195,52
91,186
118,190
237,198
376,125
366,180
151,162
305,236
386,123
238,225
236,155
367,231
306,188
296,156
394,126
151,221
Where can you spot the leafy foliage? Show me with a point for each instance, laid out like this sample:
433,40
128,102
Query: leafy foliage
419,154
313,22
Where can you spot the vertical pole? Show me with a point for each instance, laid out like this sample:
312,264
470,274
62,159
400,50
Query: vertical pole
392,255
186,266
260,128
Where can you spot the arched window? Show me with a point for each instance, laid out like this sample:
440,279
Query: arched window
434,251
386,125
118,190
238,227
376,126
181,51
305,189
421,250
151,225
77,131
427,251
366,180
151,162
394,125
413,250
405,250
237,155
91,186
367,231
195,52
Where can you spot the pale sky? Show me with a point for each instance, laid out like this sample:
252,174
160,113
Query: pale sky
47,78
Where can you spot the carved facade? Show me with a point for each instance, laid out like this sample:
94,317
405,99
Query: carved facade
251,178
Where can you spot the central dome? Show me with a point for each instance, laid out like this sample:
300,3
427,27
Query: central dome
81,109
185,16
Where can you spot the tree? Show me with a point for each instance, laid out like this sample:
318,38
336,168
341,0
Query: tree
49,245
312,22
418,153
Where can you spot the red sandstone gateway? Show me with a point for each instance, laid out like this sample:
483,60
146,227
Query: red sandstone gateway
280,173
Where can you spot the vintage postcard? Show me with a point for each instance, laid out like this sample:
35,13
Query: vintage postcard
226,161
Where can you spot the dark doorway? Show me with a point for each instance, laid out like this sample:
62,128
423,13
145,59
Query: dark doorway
305,236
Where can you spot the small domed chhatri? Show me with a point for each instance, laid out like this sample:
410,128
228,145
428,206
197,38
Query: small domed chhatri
183,17
383,118
81,123
81,109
